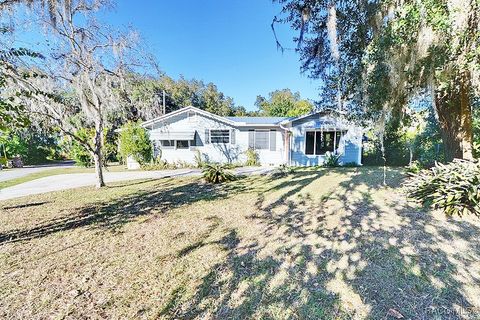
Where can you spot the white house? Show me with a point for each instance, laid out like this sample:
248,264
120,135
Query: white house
299,141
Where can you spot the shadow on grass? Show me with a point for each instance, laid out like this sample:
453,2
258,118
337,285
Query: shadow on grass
346,253
113,214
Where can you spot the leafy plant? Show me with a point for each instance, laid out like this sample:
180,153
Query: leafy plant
82,156
217,173
78,152
252,158
414,167
135,142
200,159
283,170
331,160
453,188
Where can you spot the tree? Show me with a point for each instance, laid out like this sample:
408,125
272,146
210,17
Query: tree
84,71
375,56
283,103
142,97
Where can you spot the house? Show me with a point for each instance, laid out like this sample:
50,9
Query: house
298,141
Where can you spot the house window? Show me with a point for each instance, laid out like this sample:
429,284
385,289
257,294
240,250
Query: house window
219,136
319,142
167,143
182,144
262,140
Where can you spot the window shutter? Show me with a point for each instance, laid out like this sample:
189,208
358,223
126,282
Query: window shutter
232,136
273,140
251,139
207,136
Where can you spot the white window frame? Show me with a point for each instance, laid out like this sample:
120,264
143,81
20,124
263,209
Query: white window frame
315,141
229,136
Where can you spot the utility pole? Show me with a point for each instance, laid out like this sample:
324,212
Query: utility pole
164,109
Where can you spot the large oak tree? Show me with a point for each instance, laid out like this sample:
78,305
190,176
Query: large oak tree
374,57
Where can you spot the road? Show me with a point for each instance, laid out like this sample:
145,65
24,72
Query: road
76,180
10,174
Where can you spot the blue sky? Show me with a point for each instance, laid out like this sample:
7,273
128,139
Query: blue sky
227,42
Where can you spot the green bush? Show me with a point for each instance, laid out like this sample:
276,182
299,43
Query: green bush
134,141
79,152
453,188
331,160
217,173
252,158
83,157
414,167
283,170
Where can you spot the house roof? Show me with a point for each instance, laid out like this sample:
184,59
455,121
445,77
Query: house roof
258,120
325,111
186,109
238,121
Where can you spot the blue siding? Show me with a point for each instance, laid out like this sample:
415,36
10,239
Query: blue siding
350,144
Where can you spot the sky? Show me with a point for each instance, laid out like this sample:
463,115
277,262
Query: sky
227,42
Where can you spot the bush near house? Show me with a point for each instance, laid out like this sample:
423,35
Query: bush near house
252,158
135,142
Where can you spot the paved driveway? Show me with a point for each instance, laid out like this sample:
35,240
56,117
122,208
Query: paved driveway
75,180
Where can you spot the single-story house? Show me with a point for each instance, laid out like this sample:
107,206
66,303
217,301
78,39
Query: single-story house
297,141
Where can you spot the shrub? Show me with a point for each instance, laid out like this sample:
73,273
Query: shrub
414,167
283,170
82,156
134,141
252,158
217,173
158,164
331,160
453,188
200,159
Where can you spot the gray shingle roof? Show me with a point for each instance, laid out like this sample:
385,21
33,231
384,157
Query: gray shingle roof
258,120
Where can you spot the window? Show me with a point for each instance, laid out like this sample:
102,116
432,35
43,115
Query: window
310,142
167,143
182,144
219,136
262,139
318,142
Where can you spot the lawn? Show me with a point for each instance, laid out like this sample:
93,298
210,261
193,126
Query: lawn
318,244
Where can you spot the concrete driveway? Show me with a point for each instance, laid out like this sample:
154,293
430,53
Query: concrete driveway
76,180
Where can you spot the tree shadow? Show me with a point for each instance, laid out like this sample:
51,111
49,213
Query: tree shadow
113,214
351,252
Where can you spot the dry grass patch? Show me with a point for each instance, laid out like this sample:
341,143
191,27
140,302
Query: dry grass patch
325,243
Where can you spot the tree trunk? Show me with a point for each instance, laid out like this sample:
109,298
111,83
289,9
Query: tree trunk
97,154
410,150
454,112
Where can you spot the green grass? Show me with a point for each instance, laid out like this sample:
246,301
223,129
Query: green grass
316,244
52,172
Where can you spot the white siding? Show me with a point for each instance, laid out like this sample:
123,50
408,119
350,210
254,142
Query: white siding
225,153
